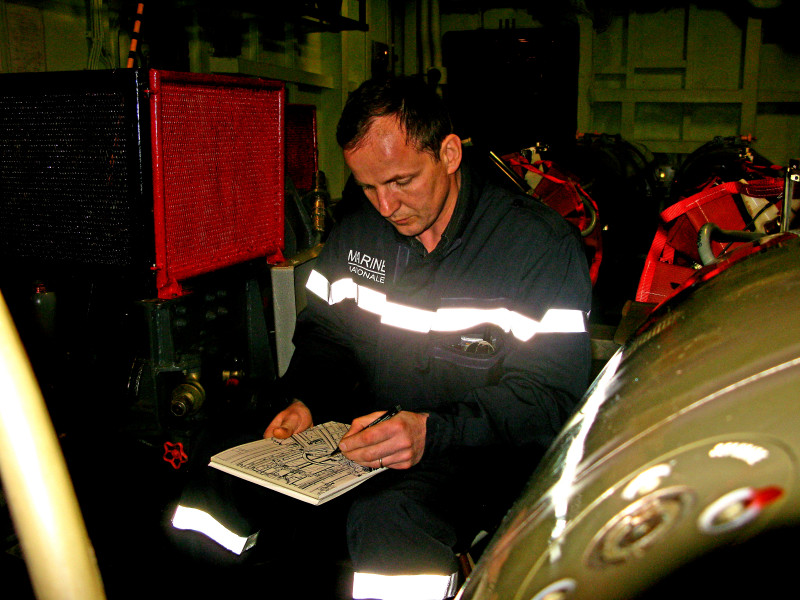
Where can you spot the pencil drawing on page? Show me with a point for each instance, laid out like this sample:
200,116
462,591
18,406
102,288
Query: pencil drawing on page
300,466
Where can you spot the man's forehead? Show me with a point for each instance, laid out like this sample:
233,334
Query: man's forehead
387,126
382,128
385,145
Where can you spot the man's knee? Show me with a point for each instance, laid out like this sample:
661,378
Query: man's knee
392,533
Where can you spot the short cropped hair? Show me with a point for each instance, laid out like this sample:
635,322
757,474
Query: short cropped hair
419,109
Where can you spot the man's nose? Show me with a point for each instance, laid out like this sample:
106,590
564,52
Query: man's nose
387,202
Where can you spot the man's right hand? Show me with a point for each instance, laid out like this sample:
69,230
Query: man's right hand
293,419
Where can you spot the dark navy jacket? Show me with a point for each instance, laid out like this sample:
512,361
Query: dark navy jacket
449,332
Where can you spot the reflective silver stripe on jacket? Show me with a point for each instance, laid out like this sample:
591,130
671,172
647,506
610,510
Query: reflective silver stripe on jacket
555,320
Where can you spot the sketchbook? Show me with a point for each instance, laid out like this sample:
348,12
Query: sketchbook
299,466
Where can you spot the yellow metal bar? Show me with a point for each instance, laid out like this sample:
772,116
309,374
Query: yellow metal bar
41,499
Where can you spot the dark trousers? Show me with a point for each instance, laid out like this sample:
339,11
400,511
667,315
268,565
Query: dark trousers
408,522
399,522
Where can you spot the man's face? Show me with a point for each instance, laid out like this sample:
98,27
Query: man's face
410,189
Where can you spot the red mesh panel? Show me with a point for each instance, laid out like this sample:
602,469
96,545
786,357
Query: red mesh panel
301,145
218,169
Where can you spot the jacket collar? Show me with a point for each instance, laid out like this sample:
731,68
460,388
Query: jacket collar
462,213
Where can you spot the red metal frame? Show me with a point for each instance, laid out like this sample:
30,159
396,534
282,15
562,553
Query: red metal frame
218,173
301,145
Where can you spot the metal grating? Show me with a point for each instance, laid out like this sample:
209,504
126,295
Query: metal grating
301,145
218,169
70,179
90,177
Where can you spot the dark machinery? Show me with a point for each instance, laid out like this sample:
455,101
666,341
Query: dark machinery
139,213
677,474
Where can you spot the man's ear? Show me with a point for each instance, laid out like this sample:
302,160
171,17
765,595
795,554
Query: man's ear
451,153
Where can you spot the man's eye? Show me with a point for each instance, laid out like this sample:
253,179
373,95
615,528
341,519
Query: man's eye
402,182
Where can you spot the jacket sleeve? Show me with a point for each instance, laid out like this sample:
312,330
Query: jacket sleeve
541,379
323,370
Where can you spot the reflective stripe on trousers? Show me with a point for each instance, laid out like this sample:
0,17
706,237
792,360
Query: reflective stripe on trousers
198,520
404,587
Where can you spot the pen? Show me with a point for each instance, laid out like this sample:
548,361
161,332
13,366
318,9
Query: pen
384,417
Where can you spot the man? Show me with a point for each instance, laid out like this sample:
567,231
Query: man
458,300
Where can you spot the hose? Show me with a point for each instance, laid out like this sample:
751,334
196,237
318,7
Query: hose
710,231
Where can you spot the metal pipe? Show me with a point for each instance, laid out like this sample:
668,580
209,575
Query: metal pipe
436,38
509,172
792,176
137,28
424,38
589,208
59,556
710,231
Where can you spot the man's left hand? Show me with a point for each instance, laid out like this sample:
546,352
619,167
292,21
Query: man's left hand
397,443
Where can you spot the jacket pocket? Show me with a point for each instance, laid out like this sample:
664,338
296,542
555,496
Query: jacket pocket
465,360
